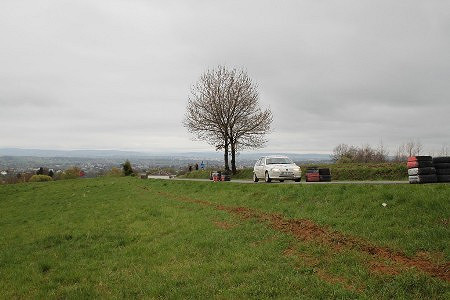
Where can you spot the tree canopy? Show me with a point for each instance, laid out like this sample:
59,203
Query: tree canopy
224,111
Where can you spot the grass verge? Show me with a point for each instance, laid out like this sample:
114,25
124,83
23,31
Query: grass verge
126,237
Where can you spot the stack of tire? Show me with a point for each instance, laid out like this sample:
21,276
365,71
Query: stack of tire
421,169
324,174
442,166
225,177
215,176
312,174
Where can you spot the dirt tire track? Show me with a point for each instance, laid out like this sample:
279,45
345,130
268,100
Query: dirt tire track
306,230
310,261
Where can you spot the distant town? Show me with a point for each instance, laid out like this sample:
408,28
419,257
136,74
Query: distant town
96,163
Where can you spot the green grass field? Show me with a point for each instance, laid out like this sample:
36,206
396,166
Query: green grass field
133,238
343,172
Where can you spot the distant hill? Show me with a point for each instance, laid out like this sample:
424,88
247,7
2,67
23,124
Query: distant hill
131,154
66,153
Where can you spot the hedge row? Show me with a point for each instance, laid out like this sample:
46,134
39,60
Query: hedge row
369,171
343,172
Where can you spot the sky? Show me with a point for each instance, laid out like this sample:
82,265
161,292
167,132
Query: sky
117,74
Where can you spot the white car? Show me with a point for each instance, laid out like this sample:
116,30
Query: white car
276,167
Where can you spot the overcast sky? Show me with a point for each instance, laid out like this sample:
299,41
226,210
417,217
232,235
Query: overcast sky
117,74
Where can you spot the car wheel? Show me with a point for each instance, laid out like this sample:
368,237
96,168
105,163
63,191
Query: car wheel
297,180
267,177
255,179
281,180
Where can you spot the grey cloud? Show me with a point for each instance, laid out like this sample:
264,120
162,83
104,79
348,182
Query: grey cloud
117,74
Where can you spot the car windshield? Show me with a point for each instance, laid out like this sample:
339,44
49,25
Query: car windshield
278,160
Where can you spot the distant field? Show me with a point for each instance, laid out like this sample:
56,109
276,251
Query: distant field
127,237
348,171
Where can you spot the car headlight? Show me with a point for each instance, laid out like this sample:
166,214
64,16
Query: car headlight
275,170
296,169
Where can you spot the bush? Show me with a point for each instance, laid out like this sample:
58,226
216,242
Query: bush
71,173
127,169
40,178
365,171
366,154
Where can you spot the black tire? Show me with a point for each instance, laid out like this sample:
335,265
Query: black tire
423,179
255,179
443,171
443,178
441,159
420,158
297,180
267,178
324,171
421,171
442,166
281,180
226,178
420,164
325,178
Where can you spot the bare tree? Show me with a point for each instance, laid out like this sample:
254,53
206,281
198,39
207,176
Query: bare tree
381,154
444,150
247,122
339,152
400,155
346,154
410,148
418,148
413,147
224,111
205,114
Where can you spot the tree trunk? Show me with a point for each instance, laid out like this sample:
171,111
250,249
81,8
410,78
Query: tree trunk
233,158
225,156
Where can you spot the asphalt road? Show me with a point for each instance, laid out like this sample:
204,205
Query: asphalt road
286,182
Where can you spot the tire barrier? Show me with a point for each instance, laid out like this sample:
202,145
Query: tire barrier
421,171
225,177
425,169
326,178
216,176
324,171
419,164
441,159
423,178
443,171
443,178
314,174
442,165
420,158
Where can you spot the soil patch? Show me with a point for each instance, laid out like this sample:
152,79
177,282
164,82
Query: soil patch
306,230
223,225
312,262
381,268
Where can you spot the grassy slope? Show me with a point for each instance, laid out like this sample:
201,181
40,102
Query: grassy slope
128,237
349,171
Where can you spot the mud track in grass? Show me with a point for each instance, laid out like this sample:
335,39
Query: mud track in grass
306,230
